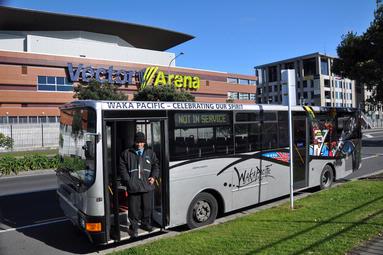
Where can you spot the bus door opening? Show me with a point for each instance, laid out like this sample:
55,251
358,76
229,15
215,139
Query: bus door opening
300,150
119,137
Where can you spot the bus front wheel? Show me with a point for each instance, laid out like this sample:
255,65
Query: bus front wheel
202,210
326,177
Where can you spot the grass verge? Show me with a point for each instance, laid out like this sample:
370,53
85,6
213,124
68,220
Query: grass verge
50,152
329,222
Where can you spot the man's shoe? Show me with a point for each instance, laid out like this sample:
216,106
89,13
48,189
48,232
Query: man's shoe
147,228
133,233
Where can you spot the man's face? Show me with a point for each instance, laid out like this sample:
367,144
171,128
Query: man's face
140,145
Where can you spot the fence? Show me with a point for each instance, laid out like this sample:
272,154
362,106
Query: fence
32,136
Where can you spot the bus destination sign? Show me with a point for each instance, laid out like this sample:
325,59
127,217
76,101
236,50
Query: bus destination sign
201,119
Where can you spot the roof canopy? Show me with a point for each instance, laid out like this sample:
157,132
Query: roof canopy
139,36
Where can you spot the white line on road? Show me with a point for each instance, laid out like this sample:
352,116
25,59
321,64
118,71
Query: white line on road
368,135
376,136
35,225
373,156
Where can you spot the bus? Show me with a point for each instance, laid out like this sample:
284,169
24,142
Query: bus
214,158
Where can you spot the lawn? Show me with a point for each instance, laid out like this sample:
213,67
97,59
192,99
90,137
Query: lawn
328,222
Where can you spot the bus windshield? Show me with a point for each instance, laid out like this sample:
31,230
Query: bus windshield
77,145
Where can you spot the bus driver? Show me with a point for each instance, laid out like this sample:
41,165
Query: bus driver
139,169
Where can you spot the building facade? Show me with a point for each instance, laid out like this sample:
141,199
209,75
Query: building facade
44,55
316,84
372,110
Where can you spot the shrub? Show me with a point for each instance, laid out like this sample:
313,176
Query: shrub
6,141
9,164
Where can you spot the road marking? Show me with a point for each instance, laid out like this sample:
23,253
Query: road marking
29,174
368,135
373,156
35,225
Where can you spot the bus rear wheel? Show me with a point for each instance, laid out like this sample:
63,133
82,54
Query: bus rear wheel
202,210
326,177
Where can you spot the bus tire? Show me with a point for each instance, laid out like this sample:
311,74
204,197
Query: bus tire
326,177
202,210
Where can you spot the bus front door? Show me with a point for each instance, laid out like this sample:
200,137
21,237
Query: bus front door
119,135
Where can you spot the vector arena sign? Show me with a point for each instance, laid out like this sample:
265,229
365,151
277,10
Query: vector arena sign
148,76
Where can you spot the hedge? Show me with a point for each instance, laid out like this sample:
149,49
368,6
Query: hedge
10,164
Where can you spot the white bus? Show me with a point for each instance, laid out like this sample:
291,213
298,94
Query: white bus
214,158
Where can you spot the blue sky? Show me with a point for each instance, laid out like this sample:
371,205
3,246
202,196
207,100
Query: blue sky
232,36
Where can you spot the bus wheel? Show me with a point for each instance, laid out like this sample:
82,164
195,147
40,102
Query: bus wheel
202,210
326,177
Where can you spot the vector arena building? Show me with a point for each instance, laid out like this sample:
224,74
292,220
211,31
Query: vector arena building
44,55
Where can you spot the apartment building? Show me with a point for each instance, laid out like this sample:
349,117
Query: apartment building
316,84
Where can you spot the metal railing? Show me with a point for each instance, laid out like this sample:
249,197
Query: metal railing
31,136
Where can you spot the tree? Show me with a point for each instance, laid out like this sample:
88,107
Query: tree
361,56
163,93
5,141
98,91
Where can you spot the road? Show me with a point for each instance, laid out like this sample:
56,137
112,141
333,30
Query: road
372,153
31,221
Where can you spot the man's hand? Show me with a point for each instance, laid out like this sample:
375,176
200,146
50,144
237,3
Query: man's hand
151,180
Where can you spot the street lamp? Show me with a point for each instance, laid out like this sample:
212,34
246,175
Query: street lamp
171,61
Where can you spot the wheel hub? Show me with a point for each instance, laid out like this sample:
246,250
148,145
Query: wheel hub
202,211
326,178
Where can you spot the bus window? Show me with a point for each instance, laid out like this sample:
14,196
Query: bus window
283,129
246,137
77,145
269,116
200,135
347,126
244,116
224,141
269,136
269,131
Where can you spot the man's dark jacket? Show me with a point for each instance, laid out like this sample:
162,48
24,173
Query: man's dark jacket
135,170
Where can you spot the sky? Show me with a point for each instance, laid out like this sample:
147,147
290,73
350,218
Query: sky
232,36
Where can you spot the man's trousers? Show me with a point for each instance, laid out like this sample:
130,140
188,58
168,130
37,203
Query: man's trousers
140,202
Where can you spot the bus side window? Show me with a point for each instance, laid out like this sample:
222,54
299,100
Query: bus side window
283,129
191,146
179,145
247,137
269,136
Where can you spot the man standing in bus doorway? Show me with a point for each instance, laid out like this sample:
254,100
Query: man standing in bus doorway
139,168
